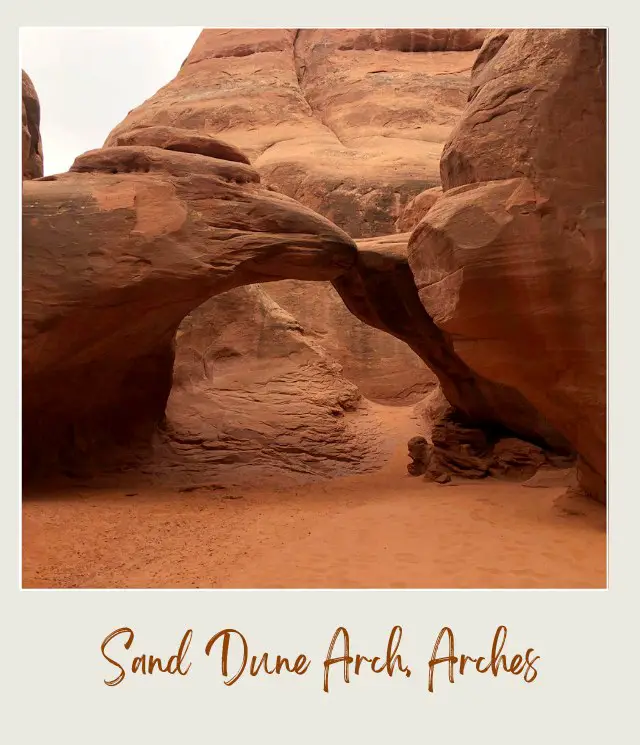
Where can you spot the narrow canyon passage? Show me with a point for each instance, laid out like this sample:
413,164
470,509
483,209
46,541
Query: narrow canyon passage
382,529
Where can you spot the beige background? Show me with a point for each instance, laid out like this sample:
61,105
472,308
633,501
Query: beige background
52,666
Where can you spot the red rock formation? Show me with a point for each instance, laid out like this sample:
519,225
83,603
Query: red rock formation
131,225
417,208
532,88
380,290
115,254
510,262
350,123
31,140
183,141
162,215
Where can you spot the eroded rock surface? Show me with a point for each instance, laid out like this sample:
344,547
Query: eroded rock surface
254,397
473,452
384,368
31,139
115,254
349,122
380,290
417,208
510,262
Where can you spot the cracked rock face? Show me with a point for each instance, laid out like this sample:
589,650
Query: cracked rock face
115,254
31,140
349,122
510,262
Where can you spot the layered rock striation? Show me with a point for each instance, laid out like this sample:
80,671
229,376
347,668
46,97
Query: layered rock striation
31,139
349,122
497,283
115,254
510,263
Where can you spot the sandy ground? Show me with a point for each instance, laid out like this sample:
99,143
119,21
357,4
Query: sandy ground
379,530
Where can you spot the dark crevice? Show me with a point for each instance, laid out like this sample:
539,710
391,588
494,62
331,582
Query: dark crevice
300,70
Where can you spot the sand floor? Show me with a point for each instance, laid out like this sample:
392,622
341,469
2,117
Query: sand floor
377,530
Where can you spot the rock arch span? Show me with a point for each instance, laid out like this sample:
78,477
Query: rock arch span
120,249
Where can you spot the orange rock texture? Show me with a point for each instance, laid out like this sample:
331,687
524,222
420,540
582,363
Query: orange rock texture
511,261
115,254
408,207
31,139
350,123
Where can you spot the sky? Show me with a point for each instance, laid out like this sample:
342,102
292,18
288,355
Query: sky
88,79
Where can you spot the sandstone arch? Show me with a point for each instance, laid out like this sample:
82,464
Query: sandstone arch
136,222
129,226
115,254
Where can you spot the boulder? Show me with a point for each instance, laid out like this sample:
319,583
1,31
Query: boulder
516,459
417,208
510,262
350,122
420,452
460,448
